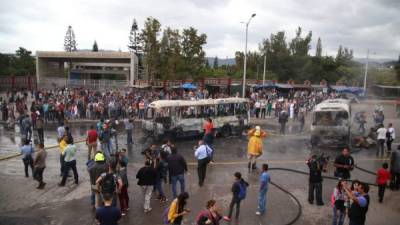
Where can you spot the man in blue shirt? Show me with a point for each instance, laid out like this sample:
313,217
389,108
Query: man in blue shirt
359,208
128,122
108,214
60,131
27,156
265,179
203,155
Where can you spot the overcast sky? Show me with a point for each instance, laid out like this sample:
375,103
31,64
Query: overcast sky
357,24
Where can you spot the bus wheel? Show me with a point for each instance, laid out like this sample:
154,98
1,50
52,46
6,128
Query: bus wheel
226,131
177,133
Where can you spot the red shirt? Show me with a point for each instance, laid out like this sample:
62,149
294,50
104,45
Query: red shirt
34,116
208,127
61,107
383,176
91,136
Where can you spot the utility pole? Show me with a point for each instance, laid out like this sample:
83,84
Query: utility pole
245,57
366,74
265,62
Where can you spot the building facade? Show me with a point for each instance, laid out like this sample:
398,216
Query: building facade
103,69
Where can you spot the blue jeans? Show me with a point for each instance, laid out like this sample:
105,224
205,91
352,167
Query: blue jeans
262,200
106,149
159,187
141,113
338,217
96,199
28,133
129,137
174,180
92,198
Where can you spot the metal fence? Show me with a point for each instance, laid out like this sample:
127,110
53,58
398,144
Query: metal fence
76,83
9,82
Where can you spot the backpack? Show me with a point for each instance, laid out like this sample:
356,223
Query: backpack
90,164
202,217
242,191
165,216
108,183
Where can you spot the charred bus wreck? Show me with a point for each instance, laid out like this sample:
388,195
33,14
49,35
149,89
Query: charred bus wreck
331,123
180,118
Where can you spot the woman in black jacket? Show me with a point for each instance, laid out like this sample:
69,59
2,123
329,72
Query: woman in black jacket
147,179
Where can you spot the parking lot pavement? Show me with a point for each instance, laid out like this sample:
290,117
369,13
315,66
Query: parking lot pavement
22,203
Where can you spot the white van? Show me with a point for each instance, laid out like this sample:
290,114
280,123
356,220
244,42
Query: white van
180,118
331,123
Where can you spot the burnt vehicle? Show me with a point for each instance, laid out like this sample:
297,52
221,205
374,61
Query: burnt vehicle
183,118
331,123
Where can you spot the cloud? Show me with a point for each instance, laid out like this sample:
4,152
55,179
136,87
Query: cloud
357,24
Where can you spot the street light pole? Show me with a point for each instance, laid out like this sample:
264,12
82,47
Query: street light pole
245,58
265,62
366,74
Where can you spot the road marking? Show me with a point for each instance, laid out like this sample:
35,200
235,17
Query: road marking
280,161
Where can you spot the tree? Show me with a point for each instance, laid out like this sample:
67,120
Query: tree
239,60
279,58
207,64
69,40
149,35
215,65
300,46
135,42
397,69
344,56
170,53
23,64
5,64
318,51
20,64
192,51
95,48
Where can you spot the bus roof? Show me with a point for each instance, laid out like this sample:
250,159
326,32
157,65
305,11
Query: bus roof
180,103
333,105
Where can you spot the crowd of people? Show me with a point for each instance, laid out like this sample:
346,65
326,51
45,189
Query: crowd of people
70,104
62,104
109,181
351,200
108,169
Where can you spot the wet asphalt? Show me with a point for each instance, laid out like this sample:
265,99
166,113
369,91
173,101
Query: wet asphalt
21,203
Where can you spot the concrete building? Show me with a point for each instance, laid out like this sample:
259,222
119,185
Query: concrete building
103,69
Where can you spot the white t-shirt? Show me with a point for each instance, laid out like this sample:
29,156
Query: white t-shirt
381,133
392,132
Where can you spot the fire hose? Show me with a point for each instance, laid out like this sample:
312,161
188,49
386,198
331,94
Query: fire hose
300,207
46,148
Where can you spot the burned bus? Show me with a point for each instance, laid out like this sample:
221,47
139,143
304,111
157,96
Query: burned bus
331,123
181,118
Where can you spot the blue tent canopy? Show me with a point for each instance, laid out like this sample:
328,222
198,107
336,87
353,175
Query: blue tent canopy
273,85
267,85
345,89
188,86
285,86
